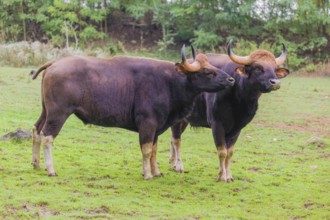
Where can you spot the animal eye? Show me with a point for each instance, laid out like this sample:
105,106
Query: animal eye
206,71
258,70
209,72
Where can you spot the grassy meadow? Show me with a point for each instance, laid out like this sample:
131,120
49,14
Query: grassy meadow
280,167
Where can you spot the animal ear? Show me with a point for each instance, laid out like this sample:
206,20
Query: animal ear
240,70
282,72
180,69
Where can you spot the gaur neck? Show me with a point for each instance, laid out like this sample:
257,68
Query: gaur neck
188,92
246,101
182,99
245,92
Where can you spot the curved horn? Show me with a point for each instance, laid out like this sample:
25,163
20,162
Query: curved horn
195,66
183,54
237,59
281,59
193,52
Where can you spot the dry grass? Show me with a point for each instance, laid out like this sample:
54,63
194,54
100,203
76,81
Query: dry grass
315,70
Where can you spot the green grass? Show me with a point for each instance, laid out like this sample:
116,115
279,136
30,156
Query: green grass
278,175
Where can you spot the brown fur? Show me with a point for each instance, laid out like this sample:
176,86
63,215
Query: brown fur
35,74
202,59
262,56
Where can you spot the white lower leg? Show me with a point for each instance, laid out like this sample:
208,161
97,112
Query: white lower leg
178,161
146,156
153,162
47,143
172,153
175,156
222,153
227,164
36,141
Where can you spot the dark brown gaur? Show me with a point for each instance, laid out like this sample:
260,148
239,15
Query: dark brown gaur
139,94
228,111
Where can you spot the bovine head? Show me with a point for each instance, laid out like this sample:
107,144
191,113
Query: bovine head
202,74
261,67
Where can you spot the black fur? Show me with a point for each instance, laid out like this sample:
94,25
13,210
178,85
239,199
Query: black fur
228,111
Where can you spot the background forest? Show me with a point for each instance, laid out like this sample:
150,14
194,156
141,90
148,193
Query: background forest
109,27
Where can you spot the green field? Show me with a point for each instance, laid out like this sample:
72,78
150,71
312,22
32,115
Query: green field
278,173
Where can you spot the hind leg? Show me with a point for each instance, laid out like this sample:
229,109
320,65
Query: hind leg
36,140
147,132
153,161
47,144
50,130
175,154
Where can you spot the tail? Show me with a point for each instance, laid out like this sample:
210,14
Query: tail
34,74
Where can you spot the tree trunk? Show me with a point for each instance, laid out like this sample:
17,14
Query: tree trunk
66,34
23,21
106,18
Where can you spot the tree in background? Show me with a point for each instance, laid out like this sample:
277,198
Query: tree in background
75,19
303,25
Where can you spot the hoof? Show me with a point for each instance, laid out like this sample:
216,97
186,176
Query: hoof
52,174
158,175
222,179
148,177
179,170
178,167
35,166
230,179
172,162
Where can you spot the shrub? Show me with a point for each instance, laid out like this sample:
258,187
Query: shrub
31,54
320,69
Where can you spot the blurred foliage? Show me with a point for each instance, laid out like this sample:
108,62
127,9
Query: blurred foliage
304,26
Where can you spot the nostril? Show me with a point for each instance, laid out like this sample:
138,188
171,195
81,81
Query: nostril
274,81
231,79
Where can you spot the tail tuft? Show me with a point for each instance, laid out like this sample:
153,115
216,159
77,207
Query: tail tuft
32,73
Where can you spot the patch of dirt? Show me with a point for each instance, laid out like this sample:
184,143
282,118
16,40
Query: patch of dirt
43,210
102,209
3,83
247,180
37,210
253,170
10,209
313,167
307,205
316,142
18,135
327,156
299,217
239,189
318,126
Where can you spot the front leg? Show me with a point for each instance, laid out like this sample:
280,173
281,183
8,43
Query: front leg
222,154
230,141
220,143
230,153
153,162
